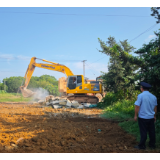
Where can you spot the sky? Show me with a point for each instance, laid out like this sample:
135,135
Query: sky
67,35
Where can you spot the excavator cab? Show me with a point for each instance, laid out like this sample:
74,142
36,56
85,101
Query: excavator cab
74,81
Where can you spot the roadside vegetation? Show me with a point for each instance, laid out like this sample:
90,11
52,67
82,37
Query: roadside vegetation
125,72
122,111
12,97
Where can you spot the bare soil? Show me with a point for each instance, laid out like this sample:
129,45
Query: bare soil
32,128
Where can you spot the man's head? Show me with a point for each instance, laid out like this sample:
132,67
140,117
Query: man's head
74,79
145,86
144,89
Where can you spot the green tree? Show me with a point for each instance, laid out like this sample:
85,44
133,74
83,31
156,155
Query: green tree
156,13
45,81
13,83
150,72
121,73
52,89
2,86
148,63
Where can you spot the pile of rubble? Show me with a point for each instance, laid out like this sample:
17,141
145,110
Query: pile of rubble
60,102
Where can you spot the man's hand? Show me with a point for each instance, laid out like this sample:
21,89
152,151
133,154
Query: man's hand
135,118
154,118
136,113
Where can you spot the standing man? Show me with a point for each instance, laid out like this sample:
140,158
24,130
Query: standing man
74,79
146,109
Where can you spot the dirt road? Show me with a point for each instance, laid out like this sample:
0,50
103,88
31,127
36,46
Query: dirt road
34,128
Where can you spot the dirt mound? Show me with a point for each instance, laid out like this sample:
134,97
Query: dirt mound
32,128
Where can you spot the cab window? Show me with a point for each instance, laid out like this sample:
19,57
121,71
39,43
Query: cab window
72,82
79,80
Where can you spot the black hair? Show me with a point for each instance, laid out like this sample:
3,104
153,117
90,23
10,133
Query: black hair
145,88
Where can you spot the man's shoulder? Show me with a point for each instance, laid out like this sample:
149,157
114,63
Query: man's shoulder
152,95
140,95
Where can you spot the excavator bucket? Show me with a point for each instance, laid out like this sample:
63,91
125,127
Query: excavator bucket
26,92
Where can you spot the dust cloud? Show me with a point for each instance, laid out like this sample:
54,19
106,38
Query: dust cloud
40,94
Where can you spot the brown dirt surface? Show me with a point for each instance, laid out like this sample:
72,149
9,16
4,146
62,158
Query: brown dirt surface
32,128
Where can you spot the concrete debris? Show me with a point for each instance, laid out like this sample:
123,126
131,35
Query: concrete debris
68,107
49,98
14,145
75,104
56,106
41,101
87,105
63,99
54,102
48,104
60,102
74,101
69,104
63,103
80,107
72,106
56,99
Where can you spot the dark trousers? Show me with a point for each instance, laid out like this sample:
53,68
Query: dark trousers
146,125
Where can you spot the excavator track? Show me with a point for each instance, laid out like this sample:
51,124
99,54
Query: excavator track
84,99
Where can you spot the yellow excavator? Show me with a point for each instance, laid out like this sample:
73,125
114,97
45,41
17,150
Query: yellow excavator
75,86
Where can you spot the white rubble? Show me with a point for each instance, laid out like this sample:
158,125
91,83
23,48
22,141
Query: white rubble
41,101
48,98
74,101
57,106
54,102
47,103
68,104
60,102
55,99
75,104
86,105
80,107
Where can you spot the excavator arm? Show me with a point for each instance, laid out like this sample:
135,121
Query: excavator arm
51,66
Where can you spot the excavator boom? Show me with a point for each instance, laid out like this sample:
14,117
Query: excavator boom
52,66
31,67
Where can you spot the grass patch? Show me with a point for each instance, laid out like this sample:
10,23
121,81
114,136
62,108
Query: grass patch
123,111
133,128
13,97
